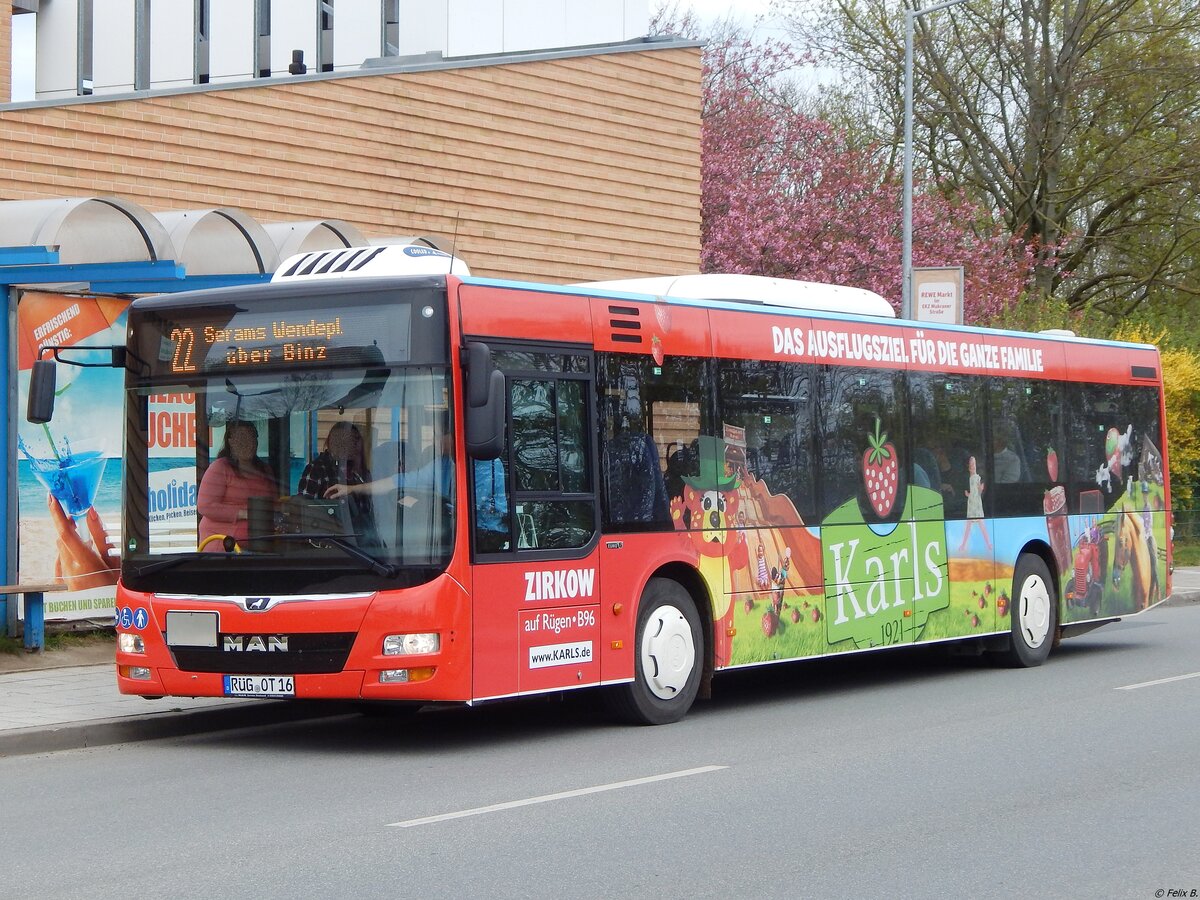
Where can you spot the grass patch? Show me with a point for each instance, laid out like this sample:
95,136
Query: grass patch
1187,553
60,640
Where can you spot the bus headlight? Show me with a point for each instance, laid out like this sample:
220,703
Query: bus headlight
410,644
130,643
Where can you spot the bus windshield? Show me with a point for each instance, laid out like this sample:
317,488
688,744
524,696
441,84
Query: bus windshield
303,469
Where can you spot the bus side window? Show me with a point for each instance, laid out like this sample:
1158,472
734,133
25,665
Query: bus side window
1026,437
1112,428
651,417
852,402
552,497
947,423
772,403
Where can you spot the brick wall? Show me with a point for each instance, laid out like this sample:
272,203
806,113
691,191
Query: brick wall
556,170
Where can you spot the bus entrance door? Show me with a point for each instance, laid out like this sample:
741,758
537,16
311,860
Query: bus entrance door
536,626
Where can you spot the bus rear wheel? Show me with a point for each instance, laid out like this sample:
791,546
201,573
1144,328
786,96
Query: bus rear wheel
1034,613
668,658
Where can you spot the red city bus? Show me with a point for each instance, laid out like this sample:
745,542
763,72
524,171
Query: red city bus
439,488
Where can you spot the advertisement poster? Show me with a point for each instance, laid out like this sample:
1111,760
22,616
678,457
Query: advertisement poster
69,471
171,451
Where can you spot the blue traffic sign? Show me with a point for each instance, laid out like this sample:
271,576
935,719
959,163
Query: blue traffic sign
140,618
126,617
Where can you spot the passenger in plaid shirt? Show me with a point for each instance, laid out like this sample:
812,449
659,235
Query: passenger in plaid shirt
341,462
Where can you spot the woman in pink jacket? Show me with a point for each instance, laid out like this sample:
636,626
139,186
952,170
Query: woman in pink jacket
236,475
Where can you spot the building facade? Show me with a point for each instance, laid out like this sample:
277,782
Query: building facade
562,167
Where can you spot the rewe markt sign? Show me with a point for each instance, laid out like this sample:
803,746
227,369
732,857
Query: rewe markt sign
938,295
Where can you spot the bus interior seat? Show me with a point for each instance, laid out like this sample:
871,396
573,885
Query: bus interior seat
636,489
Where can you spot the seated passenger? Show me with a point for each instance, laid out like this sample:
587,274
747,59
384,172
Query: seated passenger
925,466
920,478
341,462
236,475
636,489
1006,465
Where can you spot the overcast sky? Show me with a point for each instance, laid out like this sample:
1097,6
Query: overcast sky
715,9
744,11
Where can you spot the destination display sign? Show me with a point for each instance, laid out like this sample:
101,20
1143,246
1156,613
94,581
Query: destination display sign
237,339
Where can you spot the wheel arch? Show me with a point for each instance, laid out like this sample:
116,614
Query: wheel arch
689,578
1042,550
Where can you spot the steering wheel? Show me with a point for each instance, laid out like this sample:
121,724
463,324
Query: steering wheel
220,537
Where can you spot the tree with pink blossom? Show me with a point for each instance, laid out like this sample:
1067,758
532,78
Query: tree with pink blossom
786,194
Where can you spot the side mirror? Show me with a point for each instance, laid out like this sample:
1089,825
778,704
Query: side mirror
479,365
484,414
42,380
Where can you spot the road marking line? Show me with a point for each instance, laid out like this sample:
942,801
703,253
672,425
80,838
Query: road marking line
1134,687
546,798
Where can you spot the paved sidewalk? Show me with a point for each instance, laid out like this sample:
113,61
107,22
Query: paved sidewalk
70,708
80,706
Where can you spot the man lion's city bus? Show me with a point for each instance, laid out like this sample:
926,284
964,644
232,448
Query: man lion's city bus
631,485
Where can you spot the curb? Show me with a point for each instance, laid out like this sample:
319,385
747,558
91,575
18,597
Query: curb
1182,598
156,725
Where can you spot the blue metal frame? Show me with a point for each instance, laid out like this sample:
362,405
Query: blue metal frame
31,266
96,275
27,256
188,283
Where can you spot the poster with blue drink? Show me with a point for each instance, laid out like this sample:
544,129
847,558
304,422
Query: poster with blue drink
69,471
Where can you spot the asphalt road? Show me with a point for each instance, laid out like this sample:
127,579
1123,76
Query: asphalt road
905,775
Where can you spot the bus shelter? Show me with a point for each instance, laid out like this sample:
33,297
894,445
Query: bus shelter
69,269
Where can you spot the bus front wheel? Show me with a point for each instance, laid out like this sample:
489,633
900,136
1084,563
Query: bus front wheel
1034,613
668,659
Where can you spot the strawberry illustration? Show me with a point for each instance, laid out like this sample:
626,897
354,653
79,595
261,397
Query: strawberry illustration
656,350
770,622
663,313
881,472
1052,464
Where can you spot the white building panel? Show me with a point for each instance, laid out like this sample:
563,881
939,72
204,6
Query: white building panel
595,23
293,27
172,43
357,32
534,24
231,40
113,46
57,68
423,26
474,27
453,27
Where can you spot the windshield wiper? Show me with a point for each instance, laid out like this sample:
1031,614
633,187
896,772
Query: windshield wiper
376,565
173,561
